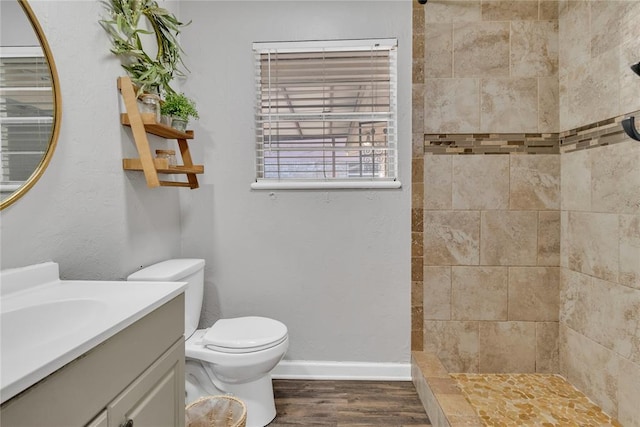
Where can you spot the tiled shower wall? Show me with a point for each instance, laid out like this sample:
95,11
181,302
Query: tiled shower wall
486,227
491,257
473,95
600,202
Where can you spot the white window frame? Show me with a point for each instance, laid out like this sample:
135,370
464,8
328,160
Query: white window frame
391,147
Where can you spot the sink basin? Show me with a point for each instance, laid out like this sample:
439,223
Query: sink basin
30,326
46,322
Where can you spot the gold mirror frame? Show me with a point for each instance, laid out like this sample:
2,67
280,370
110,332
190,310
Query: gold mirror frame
57,110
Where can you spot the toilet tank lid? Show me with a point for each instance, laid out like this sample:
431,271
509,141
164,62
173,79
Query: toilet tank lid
169,270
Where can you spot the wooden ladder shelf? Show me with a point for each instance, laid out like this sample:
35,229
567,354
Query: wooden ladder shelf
143,123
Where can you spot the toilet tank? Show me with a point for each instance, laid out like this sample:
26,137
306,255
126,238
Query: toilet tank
179,270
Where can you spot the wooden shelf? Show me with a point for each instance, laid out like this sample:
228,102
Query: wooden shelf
155,128
162,166
145,123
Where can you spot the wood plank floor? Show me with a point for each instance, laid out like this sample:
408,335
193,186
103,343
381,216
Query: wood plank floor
347,403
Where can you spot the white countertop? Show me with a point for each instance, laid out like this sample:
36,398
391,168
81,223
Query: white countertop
46,322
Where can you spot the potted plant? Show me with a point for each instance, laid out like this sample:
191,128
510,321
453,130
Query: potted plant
150,74
180,108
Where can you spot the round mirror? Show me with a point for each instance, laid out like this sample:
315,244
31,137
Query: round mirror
30,106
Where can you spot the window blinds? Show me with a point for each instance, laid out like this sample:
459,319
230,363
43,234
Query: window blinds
326,111
26,114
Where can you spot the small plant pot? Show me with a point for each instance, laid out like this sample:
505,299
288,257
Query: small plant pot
179,124
165,120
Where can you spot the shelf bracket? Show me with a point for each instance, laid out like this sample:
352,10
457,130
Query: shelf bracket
139,133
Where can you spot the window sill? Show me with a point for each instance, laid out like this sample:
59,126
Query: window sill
324,185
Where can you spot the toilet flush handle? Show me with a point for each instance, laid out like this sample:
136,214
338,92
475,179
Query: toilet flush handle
128,423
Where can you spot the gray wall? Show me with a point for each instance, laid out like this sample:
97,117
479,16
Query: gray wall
86,213
333,265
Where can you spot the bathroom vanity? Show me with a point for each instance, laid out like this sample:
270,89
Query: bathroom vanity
121,367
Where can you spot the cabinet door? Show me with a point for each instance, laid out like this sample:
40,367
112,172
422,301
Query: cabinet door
155,398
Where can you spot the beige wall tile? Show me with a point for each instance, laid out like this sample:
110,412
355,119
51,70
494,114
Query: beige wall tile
549,238
592,244
615,178
480,182
417,194
614,319
455,344
437,293
508,238
534,293
629,274
629,81
591,368
437,182
604,312
575,174
507,347
451,238
591,91
548,104
535,182
574,43
534,48
479,293
438,50
451,105
629,22
572,308
509,10
548,10
628,392
606,31
509,105
563,352
453,11
417,107
547,351
481,49
564,238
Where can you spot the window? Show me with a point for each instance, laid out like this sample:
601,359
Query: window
26,113
326,114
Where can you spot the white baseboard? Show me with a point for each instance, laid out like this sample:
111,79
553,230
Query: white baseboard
319,370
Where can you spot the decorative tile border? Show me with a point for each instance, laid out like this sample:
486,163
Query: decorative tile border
598,134
492,143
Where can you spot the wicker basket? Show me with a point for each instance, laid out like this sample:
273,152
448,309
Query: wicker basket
216,411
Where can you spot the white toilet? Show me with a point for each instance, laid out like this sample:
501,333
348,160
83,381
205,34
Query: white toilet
233,356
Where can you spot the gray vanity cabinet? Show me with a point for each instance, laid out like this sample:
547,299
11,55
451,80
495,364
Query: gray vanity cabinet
151,400
137,375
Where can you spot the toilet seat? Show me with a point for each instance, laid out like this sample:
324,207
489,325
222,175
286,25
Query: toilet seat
244,334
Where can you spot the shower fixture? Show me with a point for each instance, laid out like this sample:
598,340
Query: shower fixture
629,124
629,127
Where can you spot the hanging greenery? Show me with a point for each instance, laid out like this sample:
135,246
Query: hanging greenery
122,25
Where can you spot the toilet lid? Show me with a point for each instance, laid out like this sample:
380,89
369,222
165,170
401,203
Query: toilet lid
244,334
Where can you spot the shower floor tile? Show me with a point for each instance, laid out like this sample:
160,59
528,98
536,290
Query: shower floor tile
530,400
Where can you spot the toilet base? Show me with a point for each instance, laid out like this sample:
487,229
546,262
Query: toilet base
257,395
